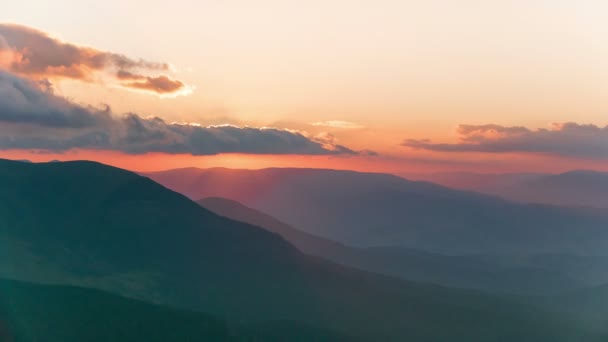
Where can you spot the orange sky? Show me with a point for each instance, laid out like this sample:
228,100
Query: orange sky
424,163
390,70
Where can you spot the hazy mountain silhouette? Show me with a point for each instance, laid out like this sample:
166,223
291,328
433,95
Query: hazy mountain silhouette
575,188
473,181
591,270
88,224
370,209
475,272
579,188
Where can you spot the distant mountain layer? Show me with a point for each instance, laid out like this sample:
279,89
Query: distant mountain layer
87,224
514,274
369,210
575,188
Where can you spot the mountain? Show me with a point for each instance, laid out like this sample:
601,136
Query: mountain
589,305
488,183
371,209
575,188
31,312
95,226
487,273
591,270
579,188
308,243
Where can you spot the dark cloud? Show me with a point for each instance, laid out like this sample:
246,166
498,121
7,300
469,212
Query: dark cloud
25,101
567,139
154,134
32,117
33,53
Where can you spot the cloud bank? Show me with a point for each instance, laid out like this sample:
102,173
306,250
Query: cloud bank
563,139
35,54
33,117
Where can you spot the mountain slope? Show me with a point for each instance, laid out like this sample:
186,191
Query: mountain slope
53,313
30,312
589,306
88,224
474,272
368,209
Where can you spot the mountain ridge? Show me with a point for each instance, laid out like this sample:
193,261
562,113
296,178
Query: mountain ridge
454,271
95,223
575,188
371,209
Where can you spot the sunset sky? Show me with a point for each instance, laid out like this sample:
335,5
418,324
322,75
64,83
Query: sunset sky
395,86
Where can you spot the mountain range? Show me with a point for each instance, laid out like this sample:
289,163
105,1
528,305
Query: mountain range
89,225
51,313
373,210
577,188
537,274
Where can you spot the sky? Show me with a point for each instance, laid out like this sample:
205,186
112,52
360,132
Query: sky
390,86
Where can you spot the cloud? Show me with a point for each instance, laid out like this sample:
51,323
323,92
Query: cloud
33,117
161,84
25,101
564,139
338,124
35,54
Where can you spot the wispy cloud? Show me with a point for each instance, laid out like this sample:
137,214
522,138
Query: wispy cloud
35,54
564,139
338,124
33,117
